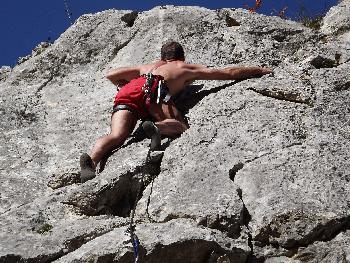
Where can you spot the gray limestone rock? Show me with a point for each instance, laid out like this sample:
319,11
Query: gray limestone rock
4,72
175,241
335,250
45,230
262,174
337,20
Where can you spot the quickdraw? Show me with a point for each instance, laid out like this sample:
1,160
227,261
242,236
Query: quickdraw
159,92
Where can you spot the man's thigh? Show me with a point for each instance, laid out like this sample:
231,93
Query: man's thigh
123,123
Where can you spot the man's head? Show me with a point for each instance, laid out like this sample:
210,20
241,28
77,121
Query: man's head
172,51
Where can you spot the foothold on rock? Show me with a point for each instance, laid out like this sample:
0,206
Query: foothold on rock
62,179
279,37
230,22
44,228
343,86
321,62
23,116
129,18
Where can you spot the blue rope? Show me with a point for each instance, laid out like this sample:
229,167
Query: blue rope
135,244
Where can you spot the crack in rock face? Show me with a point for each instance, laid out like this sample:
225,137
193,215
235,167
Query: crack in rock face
233,171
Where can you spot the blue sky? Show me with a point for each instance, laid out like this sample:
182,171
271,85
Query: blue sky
24,24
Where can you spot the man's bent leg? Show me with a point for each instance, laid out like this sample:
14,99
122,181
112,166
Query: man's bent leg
168,119
123,123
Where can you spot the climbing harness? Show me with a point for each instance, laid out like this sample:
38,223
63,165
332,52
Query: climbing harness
157,93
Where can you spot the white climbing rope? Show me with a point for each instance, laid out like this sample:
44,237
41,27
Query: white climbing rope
67,10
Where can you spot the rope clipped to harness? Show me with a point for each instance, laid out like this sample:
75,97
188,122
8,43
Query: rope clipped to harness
131,229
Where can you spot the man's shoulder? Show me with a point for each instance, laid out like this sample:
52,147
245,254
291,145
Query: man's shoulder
193,66
149,65
144,68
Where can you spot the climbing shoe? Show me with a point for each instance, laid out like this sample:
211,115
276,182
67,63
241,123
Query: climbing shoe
87,171
153,133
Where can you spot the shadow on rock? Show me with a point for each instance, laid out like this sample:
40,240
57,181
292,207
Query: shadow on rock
191,96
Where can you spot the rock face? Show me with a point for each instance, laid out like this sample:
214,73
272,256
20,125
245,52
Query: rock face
337,20
262,175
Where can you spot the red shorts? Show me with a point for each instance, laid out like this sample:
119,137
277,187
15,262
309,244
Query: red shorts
133,96
137,96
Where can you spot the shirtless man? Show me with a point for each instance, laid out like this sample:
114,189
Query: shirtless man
145,93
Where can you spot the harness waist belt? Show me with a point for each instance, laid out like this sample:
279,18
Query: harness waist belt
123,107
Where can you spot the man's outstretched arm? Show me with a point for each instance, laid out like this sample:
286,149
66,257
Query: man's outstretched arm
121,76
230,73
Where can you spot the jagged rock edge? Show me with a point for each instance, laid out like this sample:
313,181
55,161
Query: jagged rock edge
191,245
69,248
13,258
211,249
280,95
292,251
86,239
126,181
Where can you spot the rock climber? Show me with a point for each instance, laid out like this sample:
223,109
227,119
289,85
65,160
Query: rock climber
146,91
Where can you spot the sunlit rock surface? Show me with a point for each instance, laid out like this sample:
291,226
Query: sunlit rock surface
261,175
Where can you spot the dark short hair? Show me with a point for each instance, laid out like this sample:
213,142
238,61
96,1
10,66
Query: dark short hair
172,50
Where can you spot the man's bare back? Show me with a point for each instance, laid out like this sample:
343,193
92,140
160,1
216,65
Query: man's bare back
174,73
